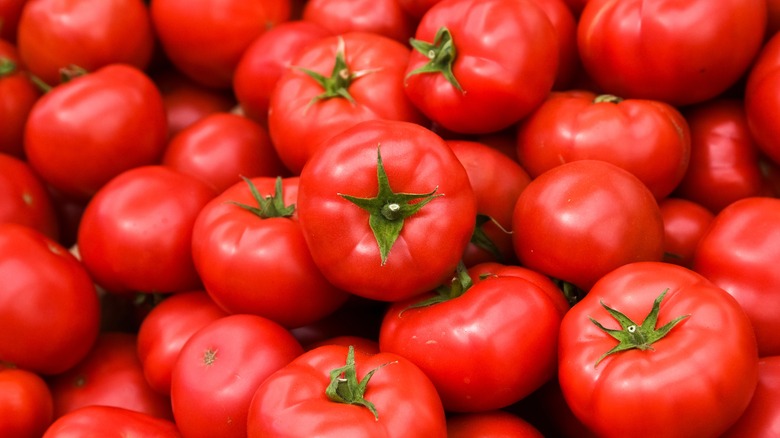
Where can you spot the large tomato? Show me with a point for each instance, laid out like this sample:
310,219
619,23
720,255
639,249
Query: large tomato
656,349
17,97
26,404
480,66
677,51
110,422
685,222
24,198
337,391
386,209
384,17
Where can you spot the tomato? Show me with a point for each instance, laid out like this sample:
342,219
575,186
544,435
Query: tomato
251,255
497,191
54,34
10,11
379,395
136,233
167,328
359,343
462,74
761,99
266,59
82,133
386,209
677,51
565,23
110,375
582,219
479,330
762,417
337,82
25,199
652,350
773,18
110,422
221,148
26,404
489,424
725,161
49,310
383,17
222,365
205,39
685,222
576,125
739,253
484,270
417,8
17,97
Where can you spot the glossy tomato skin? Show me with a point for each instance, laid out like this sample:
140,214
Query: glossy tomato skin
110,422
17,97
135,234
384,17
260,265
49,310
299,123
205,39
761,99
26,403
165,330
25,199
506,62
626,46
110,375
490,424
575,125
739,253
84,132
762,417
292,401
582,219
55,34
222,365
338,233
674,389
685,223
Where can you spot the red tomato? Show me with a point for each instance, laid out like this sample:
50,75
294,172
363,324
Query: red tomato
359,343
655,349
220,148
582,219
88,130
110,422
10,11
54,34
490,424
167,328
677,51
205,39
725,164
773,18
110,375
49,310
739,253
266,59
379,395
577,125
337,82
461,74
135,234
26,404
762,99
17,97
251,255
565,23
24,198
383,17
762,417
222,365
685,222
386,209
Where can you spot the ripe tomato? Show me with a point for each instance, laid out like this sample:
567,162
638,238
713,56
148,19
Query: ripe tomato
565,24
652,350
17,97
463,74
24,198
10,11
82,133
761,99
582,219
49,310
54,34
26,404
383,17
685,222
110,422
762,416
490,424
679,52
337,391
386,209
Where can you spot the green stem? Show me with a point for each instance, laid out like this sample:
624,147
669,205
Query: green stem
441,54
345,387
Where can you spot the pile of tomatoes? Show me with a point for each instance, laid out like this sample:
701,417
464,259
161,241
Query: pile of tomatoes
389,218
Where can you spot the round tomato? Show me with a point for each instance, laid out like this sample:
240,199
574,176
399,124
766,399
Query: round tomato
26,404
655,349
18,94
685,222
24,197
110,422
383,17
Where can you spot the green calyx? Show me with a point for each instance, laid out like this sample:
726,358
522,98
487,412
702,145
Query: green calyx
388,210
632,335
269,206
441,54
607,98
340,79
344,386
458,285
7,67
